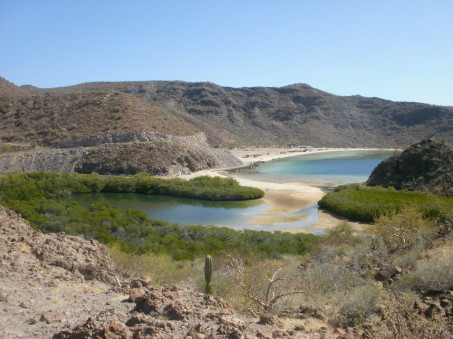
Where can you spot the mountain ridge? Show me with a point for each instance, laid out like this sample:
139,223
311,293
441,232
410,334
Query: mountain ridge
265,116
297,113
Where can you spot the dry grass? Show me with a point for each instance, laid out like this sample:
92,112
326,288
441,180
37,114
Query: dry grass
161,268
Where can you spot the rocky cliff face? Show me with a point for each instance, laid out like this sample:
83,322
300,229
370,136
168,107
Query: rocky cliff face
291,114
426,166
122,153
42,160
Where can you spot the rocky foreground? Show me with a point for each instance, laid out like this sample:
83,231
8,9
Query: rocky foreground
61,286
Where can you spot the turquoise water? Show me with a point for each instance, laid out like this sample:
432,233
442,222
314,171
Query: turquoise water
233,214
326,168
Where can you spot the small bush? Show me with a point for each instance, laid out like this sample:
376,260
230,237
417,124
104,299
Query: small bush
358,304
400,320
436,273
405,230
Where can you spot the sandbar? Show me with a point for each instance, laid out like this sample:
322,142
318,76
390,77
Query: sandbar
284,198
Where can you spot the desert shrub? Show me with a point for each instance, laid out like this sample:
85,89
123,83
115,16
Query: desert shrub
405,230
340,234
435,273
400,320
253,285
328,272
161,268
357,304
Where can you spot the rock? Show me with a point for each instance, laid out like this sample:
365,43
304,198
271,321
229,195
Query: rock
136,283
174,312
267,319
135,293
420,306
32,321
299,328
434,309
3,298
445,302
383,275
51,317
341,331
23,305
303,312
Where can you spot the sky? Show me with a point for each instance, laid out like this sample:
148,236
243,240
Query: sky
400,50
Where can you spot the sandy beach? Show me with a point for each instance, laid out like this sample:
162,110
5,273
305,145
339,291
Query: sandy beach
283,198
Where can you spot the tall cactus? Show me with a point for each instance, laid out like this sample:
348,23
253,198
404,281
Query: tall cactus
207,274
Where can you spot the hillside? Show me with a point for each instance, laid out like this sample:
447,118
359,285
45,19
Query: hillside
425,166
54,118
278,116
8,89
103,132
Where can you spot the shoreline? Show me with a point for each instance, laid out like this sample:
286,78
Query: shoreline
284,198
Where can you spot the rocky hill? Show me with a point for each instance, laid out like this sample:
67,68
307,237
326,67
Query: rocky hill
122,153
278,116
426,166
103,132
54,118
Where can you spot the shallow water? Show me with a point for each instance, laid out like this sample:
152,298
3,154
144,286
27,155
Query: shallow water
231,214
326,168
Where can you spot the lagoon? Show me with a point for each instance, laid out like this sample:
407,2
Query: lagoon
320,169
231,214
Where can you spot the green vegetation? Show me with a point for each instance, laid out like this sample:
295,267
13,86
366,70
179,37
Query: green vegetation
38,197
53,186
361,203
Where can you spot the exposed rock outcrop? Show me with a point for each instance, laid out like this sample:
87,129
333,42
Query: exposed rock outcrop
122,153
197,140
42,160
176,312
426,166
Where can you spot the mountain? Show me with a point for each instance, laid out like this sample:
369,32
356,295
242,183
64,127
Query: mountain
297,114
426,166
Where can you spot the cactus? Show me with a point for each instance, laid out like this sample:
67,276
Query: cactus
208,273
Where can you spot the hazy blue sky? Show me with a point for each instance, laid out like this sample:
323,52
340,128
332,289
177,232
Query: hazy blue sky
397,49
